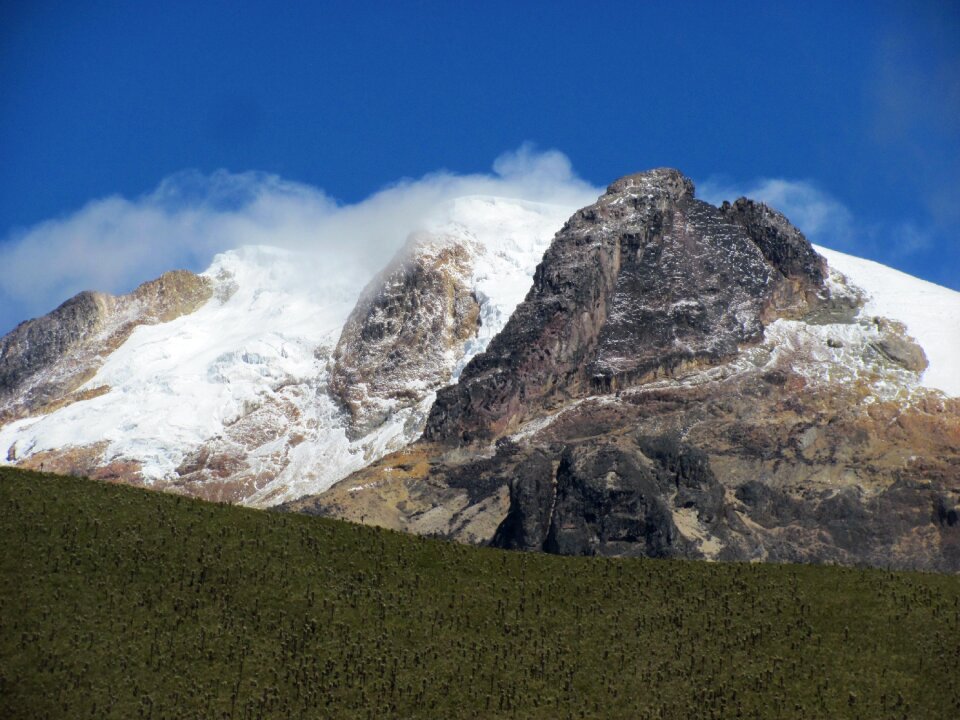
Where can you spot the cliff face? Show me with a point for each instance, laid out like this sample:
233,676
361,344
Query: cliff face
644,282
35,345
406,332
683,380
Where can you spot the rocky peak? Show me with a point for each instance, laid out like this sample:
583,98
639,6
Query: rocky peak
783,245
645,282
666,182
36,344
405,333
175,293
44,360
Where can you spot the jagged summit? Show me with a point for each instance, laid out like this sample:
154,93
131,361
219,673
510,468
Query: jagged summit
781,243
645,282
660,181
684,380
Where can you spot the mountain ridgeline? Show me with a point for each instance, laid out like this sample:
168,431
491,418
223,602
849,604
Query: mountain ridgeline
680,380
683,380
643,283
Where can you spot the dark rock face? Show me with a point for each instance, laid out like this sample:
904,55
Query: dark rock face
392,349
644,282
781,243
680,381
533,494
611,499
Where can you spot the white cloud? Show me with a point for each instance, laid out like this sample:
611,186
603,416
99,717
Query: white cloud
822,218
115,243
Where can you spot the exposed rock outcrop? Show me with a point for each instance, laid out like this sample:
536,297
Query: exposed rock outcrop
406,332
35,345
690,381
645,282
612,498
781,243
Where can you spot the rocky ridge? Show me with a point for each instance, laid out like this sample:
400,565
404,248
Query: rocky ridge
406,333
644,282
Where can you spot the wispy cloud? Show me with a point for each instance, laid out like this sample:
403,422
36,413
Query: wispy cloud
114,243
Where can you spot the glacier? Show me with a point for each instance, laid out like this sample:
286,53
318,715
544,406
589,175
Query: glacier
262,344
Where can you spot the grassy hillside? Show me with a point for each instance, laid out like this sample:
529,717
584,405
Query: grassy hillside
115,602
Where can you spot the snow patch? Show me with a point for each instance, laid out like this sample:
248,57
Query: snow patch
930,313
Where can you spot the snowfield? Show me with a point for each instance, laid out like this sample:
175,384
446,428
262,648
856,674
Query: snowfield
263,344
931,313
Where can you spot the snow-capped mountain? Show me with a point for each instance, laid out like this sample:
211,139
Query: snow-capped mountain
687,380
232,400
647,375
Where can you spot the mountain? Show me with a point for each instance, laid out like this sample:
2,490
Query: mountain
684,380
662,377
278,376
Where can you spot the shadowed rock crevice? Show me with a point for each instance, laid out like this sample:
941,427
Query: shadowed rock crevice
612,498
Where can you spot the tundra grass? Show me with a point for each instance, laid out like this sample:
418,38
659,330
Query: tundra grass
120,603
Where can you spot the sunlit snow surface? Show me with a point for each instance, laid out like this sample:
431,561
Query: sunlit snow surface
265,339
931,313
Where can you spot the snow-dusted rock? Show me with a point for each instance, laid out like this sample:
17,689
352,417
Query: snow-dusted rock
684,380
242,398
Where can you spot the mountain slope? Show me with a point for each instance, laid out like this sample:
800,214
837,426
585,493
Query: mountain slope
247,397
255,614
43,361
930,313
684,380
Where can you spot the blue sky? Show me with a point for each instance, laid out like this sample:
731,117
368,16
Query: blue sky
846,114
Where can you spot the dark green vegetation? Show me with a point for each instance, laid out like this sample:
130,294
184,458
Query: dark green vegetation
117,602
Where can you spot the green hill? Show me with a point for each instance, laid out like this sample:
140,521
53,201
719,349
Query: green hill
117,602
